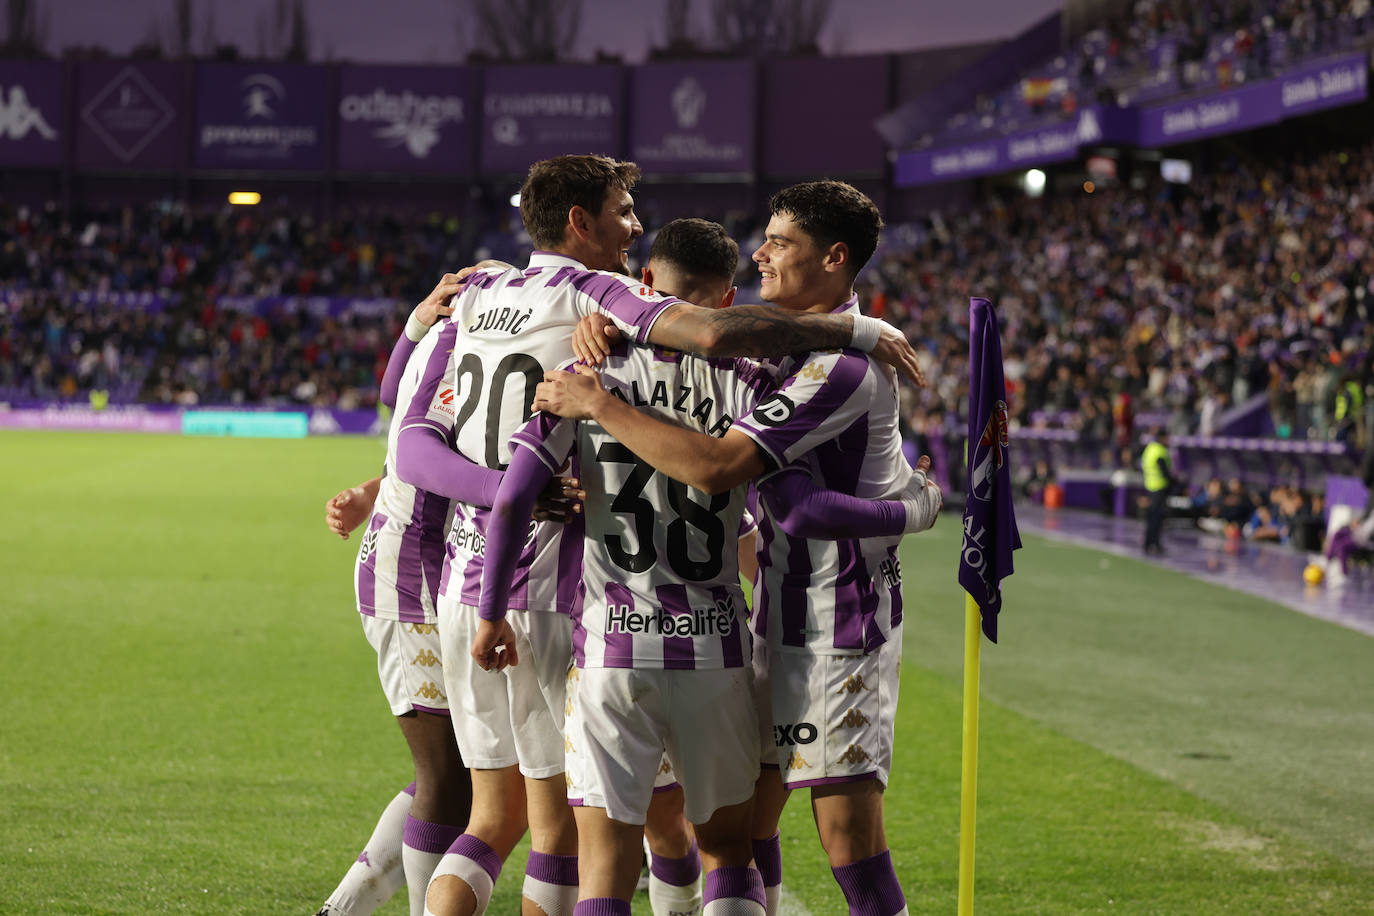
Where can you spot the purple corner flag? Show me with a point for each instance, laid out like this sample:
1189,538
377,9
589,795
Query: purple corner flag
990,533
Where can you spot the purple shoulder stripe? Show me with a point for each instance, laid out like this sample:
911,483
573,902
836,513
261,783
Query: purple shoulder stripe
436,367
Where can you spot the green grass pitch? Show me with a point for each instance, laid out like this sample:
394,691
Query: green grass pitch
189,720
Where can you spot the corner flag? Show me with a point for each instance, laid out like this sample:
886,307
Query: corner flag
990,536
990,533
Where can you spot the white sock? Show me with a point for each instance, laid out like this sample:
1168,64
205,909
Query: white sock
378,872
551,883
425,844
419,869
732,906
733,891
475,864
675,884
674,900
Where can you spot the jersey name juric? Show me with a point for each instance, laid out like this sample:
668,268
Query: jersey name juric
836,415
661,565
401,556
476,383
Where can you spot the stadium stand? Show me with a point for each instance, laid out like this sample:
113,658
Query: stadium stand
1160,49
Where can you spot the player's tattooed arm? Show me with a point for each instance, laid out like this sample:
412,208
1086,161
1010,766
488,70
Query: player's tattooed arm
350,508
767,331
696,459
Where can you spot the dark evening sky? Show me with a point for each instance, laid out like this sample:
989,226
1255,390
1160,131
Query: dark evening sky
426,31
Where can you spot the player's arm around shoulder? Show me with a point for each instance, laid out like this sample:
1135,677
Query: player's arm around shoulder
713,465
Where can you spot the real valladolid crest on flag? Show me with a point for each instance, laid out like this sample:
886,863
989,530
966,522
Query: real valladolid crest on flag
990,533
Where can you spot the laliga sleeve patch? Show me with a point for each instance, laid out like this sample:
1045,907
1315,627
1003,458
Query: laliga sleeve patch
775,411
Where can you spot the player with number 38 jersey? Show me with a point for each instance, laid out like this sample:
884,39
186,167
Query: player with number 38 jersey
660,578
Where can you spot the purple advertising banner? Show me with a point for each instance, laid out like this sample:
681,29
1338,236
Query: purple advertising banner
796,141
260,116
1042,146
532,113
114,419
1219,113
33,118
138,418
951,163
405,119
316,306
1057,143
1328,84
693,117
130,114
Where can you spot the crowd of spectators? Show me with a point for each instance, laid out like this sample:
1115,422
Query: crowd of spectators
1151,50
1228,41
133,303
1165,302
1283,514
1172,301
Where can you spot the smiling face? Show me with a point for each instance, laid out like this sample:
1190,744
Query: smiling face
611,232
792,267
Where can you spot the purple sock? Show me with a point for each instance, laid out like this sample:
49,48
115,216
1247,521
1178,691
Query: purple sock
870,886
410,790
469,847
734,881
678,872
427,837
551,869
602,906
768,858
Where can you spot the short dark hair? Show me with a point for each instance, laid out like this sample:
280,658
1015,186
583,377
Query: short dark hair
830,212
697,247
554,186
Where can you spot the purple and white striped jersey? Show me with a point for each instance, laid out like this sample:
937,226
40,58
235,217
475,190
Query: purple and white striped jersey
660,560
475,388
401,556
835,414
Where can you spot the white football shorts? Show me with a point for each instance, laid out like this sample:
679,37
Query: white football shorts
409,664
828,718
664,780
513,716
626,720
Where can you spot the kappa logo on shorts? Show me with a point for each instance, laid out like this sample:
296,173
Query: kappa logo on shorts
567,745
426,659
574,673
430,691
567,707
853,684
424,629
855,718
792,734
854,755
797,762
664,767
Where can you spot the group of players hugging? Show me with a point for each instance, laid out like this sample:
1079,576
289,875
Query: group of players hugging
581,465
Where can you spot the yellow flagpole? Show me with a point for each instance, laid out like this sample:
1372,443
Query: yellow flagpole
968,796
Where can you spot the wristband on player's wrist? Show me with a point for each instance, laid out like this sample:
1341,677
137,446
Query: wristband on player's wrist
415,328
867,331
